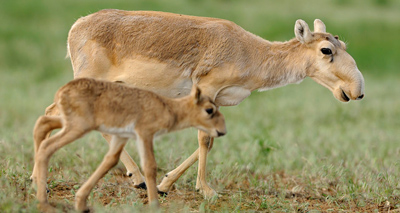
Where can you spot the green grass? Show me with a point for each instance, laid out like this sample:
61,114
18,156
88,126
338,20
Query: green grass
293,140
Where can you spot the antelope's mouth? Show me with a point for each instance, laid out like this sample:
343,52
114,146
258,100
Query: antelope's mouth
345,97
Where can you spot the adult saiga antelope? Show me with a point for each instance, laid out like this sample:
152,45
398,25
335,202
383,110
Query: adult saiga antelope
167,53
123,112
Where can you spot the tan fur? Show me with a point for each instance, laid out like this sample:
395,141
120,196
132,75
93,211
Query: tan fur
123,112
166,53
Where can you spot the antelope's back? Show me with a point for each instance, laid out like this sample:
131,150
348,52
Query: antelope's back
156,51
175,38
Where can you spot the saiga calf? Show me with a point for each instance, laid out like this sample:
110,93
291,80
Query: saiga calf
123,112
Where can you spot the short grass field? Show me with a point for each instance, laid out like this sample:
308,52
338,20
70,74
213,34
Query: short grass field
291,149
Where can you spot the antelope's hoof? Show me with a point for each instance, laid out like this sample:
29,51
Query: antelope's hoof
209,194
141,186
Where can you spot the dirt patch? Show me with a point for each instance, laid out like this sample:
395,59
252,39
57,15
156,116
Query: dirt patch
285,192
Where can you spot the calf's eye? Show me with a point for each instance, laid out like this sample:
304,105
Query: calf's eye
326,51
209,111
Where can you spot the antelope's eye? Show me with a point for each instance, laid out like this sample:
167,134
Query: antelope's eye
209,111
326,51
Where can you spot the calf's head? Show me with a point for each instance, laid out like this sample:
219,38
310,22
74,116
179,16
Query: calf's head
204,114
331,66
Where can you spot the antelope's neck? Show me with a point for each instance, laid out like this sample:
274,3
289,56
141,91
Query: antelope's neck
282,63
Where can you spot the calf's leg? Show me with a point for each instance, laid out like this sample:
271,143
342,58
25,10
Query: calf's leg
44,125
45,151
110,160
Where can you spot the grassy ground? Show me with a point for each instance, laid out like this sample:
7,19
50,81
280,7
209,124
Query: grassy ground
289,149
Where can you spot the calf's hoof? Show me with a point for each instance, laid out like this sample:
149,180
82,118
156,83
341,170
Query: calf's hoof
46,207
162,194
81,206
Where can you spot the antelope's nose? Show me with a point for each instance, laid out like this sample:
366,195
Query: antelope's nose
360,97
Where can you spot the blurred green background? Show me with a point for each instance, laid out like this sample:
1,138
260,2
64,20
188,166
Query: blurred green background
299,129
33,33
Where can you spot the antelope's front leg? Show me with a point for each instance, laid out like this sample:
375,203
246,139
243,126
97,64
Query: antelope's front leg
172,176
132,168
149,165
205,143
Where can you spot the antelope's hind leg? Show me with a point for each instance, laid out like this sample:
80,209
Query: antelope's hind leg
132,168
110,160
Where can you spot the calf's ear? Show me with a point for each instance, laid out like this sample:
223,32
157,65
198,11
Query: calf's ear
196,94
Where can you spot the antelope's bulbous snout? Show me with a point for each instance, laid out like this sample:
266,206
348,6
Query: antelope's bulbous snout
351,88
357,92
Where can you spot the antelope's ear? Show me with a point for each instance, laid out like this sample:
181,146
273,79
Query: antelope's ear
319,26
196,94
302,32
